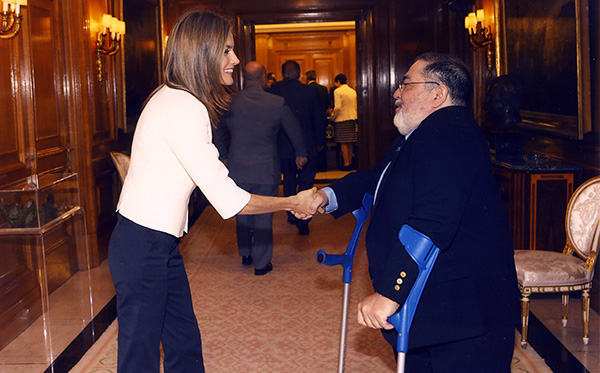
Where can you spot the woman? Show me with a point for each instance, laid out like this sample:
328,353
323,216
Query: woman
172,152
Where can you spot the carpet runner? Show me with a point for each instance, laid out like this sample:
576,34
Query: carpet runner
285,321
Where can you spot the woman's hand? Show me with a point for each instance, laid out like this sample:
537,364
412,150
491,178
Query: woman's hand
304,201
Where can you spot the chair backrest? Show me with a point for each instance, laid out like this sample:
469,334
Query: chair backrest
582,223
121,162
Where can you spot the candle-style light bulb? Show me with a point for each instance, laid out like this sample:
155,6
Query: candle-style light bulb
472,21
106,22
480,17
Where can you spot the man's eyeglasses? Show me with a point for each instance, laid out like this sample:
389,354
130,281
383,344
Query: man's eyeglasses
402,85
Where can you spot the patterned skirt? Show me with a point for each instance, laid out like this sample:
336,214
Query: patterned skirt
346,131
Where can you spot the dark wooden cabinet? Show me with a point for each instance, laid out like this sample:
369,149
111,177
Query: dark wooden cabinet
536,198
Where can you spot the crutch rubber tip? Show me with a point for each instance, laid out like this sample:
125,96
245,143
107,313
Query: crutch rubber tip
321,257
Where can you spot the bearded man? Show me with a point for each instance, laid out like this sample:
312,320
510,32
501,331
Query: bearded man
437,178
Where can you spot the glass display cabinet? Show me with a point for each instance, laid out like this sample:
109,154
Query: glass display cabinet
42,247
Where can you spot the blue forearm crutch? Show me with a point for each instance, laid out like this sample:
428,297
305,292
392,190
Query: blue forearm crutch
422,250
345,260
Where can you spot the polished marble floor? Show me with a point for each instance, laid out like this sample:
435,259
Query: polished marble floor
72,323
547,329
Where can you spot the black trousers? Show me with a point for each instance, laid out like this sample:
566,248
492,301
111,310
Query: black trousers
490,353
154,302
295,180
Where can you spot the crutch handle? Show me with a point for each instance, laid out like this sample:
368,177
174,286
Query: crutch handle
424,252
330,260
346,259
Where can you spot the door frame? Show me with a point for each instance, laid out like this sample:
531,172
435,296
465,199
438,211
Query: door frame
365,62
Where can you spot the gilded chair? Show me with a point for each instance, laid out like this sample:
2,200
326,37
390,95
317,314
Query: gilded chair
121,162
540,271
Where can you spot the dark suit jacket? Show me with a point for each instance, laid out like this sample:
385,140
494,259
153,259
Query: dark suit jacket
304,103
254,120
322,94
441,183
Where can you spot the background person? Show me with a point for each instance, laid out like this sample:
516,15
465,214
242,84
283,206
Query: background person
253,122
304,103
344,115
172,152
311,80
271,78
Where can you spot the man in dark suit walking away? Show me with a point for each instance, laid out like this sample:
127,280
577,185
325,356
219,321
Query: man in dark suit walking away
437,178
311,80
304,102
253,123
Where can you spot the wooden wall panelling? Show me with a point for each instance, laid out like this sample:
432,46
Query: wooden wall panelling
324,64
175,8
20,294
80,34
143,54
328,53
350,49
369,127
105,115
262,42
13,142
49,126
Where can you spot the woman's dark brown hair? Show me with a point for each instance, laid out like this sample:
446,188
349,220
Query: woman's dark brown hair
193,57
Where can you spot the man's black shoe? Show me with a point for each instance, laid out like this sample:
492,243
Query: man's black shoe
260,272
246,260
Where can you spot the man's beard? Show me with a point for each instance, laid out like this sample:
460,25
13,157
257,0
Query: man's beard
402,123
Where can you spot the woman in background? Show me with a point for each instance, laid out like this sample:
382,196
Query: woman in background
172,152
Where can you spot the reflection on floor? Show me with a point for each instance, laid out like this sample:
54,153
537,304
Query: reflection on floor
562,347
73,333
65,332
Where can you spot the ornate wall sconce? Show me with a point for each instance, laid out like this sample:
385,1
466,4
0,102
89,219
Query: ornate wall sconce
11,18
108,41
480,35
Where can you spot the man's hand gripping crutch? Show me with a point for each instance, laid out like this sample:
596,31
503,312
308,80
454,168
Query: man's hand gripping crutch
423,251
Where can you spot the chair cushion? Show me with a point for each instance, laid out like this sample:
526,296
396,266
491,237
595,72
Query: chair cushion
549,268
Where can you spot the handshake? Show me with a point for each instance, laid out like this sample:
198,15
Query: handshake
308,202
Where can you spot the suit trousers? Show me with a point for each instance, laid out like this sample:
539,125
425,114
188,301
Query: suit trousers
490,353
295,180
154,302
255,232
